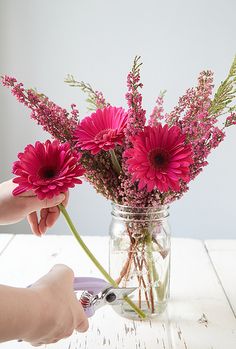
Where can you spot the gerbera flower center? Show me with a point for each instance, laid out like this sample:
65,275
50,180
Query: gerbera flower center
47,172
158,158
102,135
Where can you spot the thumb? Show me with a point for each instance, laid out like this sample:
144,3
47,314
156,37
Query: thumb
35,204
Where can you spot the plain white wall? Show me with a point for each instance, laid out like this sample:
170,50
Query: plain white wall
42,41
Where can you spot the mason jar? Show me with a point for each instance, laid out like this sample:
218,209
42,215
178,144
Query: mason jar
139,257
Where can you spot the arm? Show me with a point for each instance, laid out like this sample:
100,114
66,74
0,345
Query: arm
18,307
15,208
44,313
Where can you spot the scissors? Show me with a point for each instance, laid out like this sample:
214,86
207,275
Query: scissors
98,293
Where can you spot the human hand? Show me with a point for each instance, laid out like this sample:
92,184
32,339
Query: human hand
61,312
15,208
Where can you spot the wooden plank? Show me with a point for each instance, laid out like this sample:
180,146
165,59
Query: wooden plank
34,256
109,331
28,257
221,245
223,257
199,313
5,239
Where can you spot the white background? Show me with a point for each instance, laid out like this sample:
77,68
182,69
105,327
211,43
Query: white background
42,41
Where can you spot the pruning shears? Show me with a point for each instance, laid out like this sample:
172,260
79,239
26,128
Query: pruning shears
97,293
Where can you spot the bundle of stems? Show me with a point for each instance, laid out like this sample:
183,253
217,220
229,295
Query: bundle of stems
141,263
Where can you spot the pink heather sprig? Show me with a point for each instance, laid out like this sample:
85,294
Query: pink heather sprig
194,101
101,174
231,119
158,111
100,100
130,195
53,119
191,115
203,147
136,114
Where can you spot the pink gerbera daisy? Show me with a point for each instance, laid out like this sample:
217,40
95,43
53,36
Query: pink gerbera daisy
102,130
48,169
159,158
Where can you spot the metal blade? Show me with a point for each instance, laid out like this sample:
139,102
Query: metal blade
116,296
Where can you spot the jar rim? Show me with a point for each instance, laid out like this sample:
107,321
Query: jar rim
161,207
133,213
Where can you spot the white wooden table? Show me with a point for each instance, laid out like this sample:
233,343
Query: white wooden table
200,314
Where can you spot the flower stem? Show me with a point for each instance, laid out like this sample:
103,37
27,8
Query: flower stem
160,288
115,162
95,261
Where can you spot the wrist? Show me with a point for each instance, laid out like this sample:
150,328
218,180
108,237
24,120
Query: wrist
19,312
42,313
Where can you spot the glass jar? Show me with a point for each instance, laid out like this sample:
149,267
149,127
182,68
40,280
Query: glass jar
139,256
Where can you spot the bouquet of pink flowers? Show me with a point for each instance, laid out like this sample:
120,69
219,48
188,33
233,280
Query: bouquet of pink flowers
129,160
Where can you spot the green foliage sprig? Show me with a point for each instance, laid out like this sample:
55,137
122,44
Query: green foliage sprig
136,73
225,94
95,98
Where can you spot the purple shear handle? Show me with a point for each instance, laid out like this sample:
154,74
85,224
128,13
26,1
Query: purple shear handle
90,284
93,286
